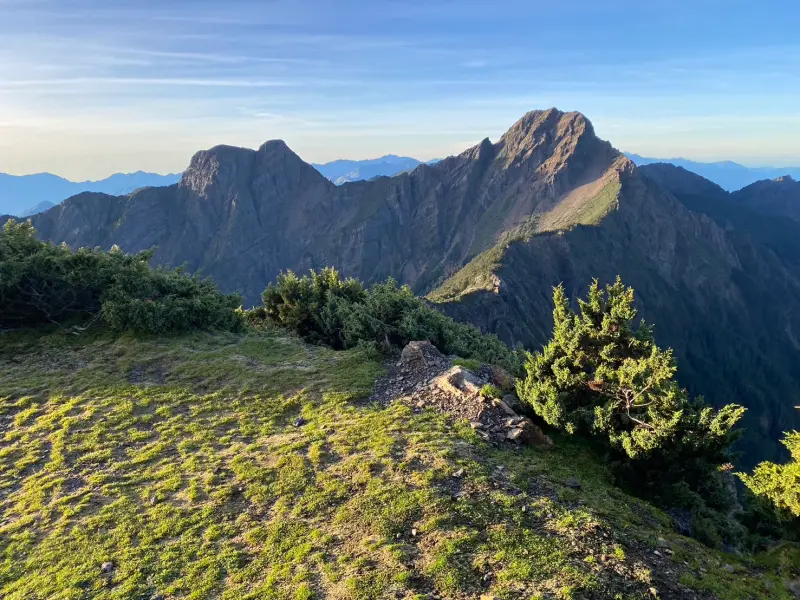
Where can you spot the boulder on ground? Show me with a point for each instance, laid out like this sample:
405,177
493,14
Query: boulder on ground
504,407
512,401
459,382
419,354
502,378
524,431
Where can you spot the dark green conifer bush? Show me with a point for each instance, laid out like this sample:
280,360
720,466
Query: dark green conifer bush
603,376
324,308
42,283
779,484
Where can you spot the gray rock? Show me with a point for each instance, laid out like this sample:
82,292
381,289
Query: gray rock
458,381
512,401
504,407
574,483
524,431
412,355
107,567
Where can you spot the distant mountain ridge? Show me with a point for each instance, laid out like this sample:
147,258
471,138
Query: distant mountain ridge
343,171
729,175
23,195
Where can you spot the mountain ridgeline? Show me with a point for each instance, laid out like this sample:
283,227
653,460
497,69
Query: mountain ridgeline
487,233
25,195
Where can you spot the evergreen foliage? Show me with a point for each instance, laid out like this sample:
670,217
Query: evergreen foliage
602,376
324,308
41,284
780,484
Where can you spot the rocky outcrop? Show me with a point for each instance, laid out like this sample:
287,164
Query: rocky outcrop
424,379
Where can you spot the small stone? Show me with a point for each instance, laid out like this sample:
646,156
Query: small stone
656,552
515,435
512,401
413,532
106,567
574,483
504,407
476,425
668,551
654,592
459,473
299,422
728,568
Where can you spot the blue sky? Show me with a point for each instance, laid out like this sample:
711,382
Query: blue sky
91,87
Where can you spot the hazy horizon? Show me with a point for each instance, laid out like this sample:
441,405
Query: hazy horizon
357,159
94,89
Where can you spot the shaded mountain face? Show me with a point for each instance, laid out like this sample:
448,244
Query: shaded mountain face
779,197
728,175
759,210
343,171
488,233
24,195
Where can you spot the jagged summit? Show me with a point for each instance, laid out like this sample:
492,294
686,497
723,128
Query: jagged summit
551,139
228,167
274,146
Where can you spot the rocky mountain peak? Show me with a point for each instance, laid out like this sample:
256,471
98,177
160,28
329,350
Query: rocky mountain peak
229,167
549,138
216,165
275,146
785,179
